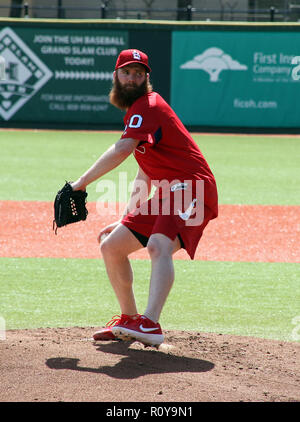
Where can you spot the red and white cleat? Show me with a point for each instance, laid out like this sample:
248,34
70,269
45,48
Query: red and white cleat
141,329
106,332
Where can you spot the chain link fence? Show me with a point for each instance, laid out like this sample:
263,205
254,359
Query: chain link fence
228,11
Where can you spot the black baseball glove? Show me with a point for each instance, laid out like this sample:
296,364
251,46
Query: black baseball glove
69,206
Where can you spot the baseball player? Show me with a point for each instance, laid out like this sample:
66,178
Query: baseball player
184,202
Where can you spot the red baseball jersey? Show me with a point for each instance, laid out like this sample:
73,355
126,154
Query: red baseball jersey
166,150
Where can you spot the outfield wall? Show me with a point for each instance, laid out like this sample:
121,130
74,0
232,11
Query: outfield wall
217,76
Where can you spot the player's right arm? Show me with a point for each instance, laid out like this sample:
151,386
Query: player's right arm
110,159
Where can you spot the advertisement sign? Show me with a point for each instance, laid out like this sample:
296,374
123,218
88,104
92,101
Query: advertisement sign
59,75
236,78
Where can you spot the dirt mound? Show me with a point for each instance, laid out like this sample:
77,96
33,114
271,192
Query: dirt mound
66,364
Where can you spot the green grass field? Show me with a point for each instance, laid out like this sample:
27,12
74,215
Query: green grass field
248,169
242,298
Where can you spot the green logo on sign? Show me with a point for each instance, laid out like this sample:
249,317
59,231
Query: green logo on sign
25,73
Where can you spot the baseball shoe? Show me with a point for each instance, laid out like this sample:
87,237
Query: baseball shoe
106,332
141,329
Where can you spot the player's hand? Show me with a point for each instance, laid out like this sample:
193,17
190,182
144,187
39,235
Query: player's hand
106,231
78,185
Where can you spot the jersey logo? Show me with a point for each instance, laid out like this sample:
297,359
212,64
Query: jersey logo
135,121
186,215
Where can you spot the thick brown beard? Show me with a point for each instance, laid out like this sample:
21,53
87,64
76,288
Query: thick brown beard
123,98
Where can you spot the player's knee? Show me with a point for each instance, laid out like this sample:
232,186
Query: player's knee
107,248
112,248
156,248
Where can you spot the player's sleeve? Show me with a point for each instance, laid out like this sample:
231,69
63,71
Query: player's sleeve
141,124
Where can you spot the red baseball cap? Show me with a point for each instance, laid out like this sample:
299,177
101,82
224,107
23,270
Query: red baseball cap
132,56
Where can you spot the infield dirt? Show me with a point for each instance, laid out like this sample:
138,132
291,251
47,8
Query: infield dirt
255,233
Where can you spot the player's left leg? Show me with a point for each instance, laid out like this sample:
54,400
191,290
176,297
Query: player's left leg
146,328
